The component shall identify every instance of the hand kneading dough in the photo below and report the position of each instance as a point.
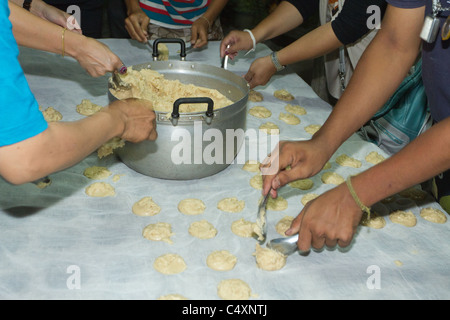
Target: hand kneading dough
(283, 94)
(346, 161)
(100, 189)
(170, 263)
(270, 128)
(303, 184)
(202, 230)
(221, 260)
(160, 231)
(433, 215)
(191, 206)
(289, 118)
(284, 224)
(97, 173)
(277, 204)
(251, 166)
(231, 205)
(255, 96)
(87, 108)
(268, 259)
(295, 109)
(173, 296)
(233, 289)
(374, 157)
(242, 228)
(332, 178)
(145, 207)
(260, 112)
(406, 218)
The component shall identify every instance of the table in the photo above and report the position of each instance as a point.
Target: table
(59, 243)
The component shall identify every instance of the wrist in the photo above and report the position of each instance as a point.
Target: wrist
(74, 44)
(276, 62)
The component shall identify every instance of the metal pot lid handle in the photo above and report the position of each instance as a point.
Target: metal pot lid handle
(155, 53)
(176, 108)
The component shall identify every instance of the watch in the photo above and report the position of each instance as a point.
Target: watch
(27, 4)
(276, 62)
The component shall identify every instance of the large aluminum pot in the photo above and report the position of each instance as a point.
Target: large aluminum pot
(192, 145)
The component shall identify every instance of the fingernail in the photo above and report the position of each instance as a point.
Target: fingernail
(226, 52)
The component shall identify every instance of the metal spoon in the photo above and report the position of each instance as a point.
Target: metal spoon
(286, 246)
(261, 220)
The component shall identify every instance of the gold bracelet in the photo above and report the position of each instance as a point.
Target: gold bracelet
(62, 40)
(356, 198)
(209, 23)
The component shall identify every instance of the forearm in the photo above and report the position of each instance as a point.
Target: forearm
(60, 146)
(309, 47)
(285, 18)
(214, 9)
(424, 158)
(132, 6)
(380, 70)
(34, 32)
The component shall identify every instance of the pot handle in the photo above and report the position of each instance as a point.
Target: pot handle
(176, 108)
(155, 53)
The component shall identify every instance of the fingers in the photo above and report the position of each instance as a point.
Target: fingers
(136, 25)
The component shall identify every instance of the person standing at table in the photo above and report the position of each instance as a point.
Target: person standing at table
(343, 25)
(194, 21)
(31, 148)
(333, 217)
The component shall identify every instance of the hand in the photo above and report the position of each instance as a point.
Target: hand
(329, 220)
(97, 58)
(199, 33)
(56, 16)
(260, 72)
(305, 158)
(136, 24)
(138, 118)
(237, 40)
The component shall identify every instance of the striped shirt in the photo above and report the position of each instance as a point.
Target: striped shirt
(174, 14)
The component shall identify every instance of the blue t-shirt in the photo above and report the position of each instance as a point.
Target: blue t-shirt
(20, 117)
(435, 62)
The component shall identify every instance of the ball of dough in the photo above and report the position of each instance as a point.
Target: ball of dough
(257, 182)
(332, 178)
(100, 189)
(346, 161)
(289, 118)
(145, 207)
(260, 112)
(308, 197)
(170, 263)
(375, 221)
(303, 184)
(284, 224)
(51, 115)
(374, 157)
(277, 204)
(233, 289)
(221, 260)
(231, 205)
(87, 108)
(406, 218)
(251, 166)
(202, 229)
(270, 128)
(160, 231)
(268, 259)
(242, 228)
(433, 215)
(191, 206)
(283, 94)
(295, 109)
(255, 96)
(173, 296)
(312, 128)
(97, 173)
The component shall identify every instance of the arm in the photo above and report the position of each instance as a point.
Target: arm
(201, 26)
(64, 144)
(137, 21)
(36, 33)
(284, 18)
(52, 14)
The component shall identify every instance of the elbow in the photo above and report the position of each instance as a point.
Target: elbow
(18, 173)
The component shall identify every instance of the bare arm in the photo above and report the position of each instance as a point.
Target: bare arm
(200, 26)
(65, 144)
(137, 21)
